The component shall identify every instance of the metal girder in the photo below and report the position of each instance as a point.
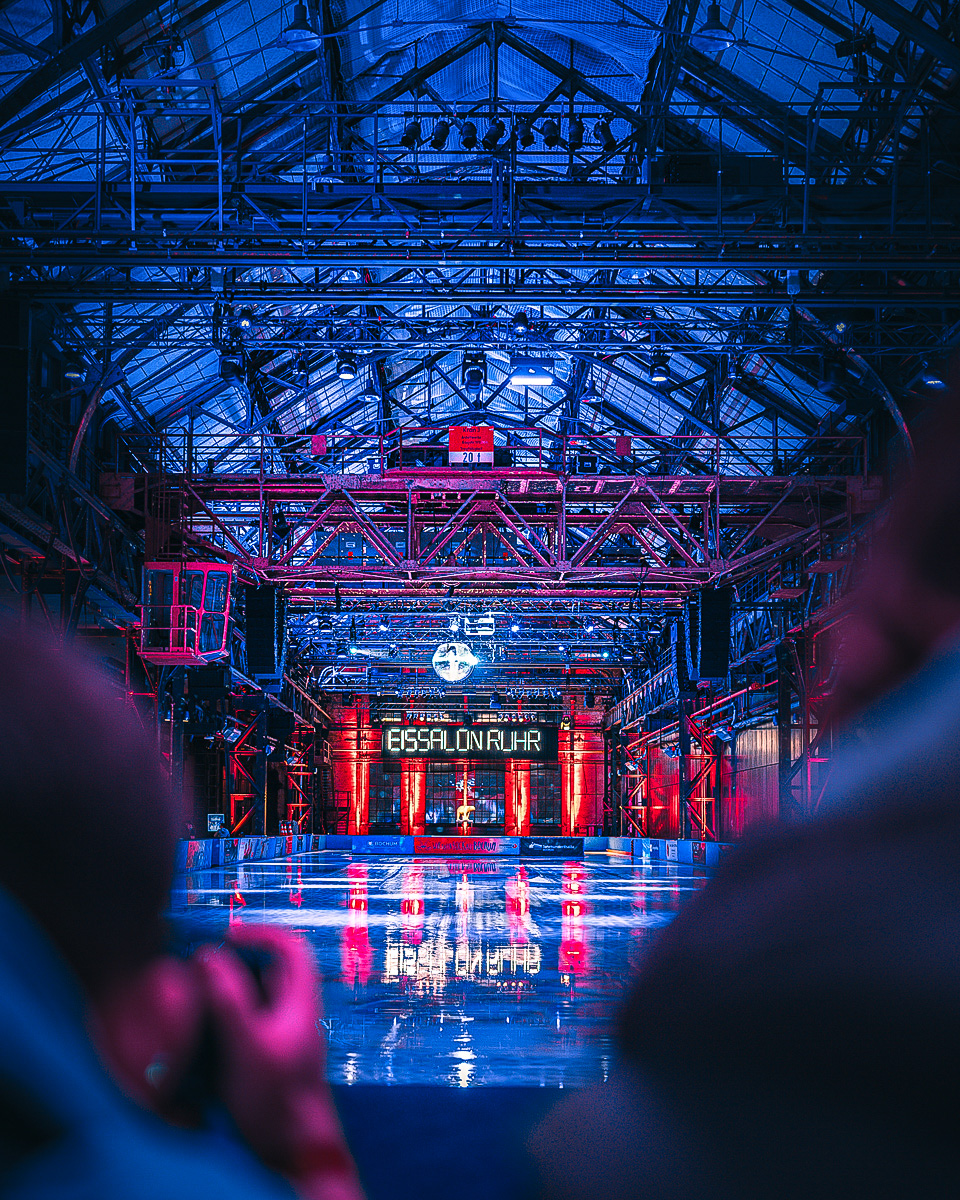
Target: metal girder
(71, 56)
(409, 531)
(918, 31)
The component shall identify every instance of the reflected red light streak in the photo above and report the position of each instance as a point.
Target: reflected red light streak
(356, 953)
(574, 949)
(518, 906)
(412, 907)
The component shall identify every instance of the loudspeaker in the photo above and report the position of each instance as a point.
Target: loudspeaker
(714, 633)
(13, 397)
(264, 608)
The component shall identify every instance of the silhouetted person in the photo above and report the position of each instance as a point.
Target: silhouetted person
(100, 1028)
(796, 1031)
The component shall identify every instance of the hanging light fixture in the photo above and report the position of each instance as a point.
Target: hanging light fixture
(521, 324)
(346, 366)
(712, 35)
(575, 135)
(531, 372)
(412, 134)
(245, 319)
(525, 133)
(604, 135)
(300, 34)
(493, 135)
(659, 366)
(441, 131)
(551, 133)
(474, 373)
(468, 135)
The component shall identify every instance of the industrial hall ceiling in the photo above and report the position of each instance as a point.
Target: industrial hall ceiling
(694, 265)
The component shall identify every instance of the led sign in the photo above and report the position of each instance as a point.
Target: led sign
(536, 742)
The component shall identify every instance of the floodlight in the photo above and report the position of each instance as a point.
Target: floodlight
(412, 134)
(525, 133)
(346, 366)
(604, 135)
(659, 367)
(468, 135)
(831, 376)
(521, 324)
(724, 733)
(931, 379)
(515, 627)
(73, 371)
(531, 372)
(712, 35)
(441, 131)
(493, 135)
(575, 135)
(474, 373)
(551, 133)
(231, 371)
(300, 34)
(245, 318)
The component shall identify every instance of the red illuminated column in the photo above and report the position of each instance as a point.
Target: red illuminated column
(351, 775)
(581, 779)
(413, 796)
(517, 799)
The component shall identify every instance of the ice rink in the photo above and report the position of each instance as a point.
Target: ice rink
(461, 972)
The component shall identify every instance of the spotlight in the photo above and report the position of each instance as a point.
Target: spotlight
(575, 135)
(382, 625)
(468, 136)
(73, 371)
(346, 366)
(931, 379)
(531, 372)
(605, 654)
(712, 35)
(521, 324)
(603, 134)
(412, 134)
(474, 373)
(515, 627)
(231, 371)
(831, 376)
(589, 628)
(494, 134)
(441, 131)
(525, 133)
(551, 133)
(659, 367)
(245, 319)
(300, 34)
(495, 700)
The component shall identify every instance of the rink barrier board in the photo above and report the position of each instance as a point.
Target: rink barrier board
(204, 853)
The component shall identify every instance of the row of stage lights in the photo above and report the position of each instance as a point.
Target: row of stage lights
(525, 131)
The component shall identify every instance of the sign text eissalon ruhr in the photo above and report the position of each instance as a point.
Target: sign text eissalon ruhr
(536, 742)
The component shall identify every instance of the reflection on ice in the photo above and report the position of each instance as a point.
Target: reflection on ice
(461, 972)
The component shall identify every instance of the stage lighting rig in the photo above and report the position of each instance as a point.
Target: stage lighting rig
(441, 131)
(474, 373)
(531, 372)
(346, 366)
(493, 135)
(412, 134)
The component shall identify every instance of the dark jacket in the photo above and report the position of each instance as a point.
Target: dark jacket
(796, 1031)
(66, 1131)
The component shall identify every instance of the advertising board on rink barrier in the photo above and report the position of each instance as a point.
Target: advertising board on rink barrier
(552, 847)
(461, 847)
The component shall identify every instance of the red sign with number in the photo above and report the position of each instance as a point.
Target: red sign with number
(471, 444)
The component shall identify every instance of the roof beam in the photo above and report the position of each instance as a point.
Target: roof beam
(916, 30)
(49, 74)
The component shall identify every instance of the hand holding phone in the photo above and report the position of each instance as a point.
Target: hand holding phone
(270, 1058)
